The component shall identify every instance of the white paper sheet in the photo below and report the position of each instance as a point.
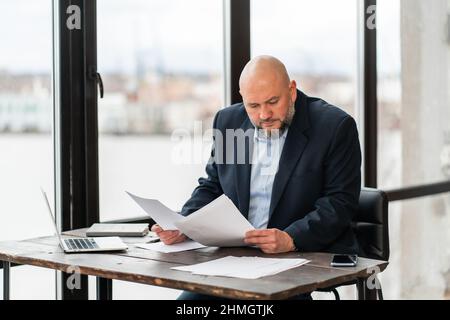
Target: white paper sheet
(218, 224)
(161, 247)
(158, 212)
(243, 267)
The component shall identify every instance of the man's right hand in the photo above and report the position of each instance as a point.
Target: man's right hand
(168, 236)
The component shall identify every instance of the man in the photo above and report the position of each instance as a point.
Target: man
(308, 202)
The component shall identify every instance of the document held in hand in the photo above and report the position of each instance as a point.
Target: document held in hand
(218, 224)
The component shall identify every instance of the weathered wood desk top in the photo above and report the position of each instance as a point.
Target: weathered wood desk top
(153, 268)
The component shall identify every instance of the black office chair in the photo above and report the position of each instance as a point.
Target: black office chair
(371, 224)
(372, 230)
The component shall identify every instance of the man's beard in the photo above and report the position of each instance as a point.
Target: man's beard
(285, 123)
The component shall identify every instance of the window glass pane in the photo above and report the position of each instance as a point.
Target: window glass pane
(414, 142)
(26, 161)
(317, 42)
(414, 92)
(161, 63)
(419, 265)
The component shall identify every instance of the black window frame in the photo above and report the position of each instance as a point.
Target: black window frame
(75, 126)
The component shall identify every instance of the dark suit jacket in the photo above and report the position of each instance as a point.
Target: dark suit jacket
(316, 190)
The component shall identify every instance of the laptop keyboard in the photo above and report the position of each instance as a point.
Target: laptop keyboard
(80, 244)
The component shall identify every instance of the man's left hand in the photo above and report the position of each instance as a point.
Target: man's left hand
(270, 240)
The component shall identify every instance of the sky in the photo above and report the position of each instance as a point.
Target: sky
(317, 36)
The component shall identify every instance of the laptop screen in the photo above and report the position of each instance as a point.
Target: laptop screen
(52, 218)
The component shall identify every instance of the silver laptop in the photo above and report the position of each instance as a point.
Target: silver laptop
(75, 245)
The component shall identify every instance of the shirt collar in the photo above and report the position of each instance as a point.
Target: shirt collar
(261, 137)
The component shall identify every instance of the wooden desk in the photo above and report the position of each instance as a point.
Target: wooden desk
(153, 268)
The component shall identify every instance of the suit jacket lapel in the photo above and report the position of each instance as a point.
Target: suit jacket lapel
(294, 146)
(243, 171)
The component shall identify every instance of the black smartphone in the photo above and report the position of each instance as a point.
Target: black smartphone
(344, 260)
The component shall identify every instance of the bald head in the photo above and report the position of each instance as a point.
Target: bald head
(264, 69)
(269, 95)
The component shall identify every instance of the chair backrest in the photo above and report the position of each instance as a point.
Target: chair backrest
(371, 224)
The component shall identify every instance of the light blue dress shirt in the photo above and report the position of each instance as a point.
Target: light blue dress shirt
(265, 162)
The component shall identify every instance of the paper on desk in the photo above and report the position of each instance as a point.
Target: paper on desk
(178, 247)
(243, 267)
(218, 224)
(158, 212)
